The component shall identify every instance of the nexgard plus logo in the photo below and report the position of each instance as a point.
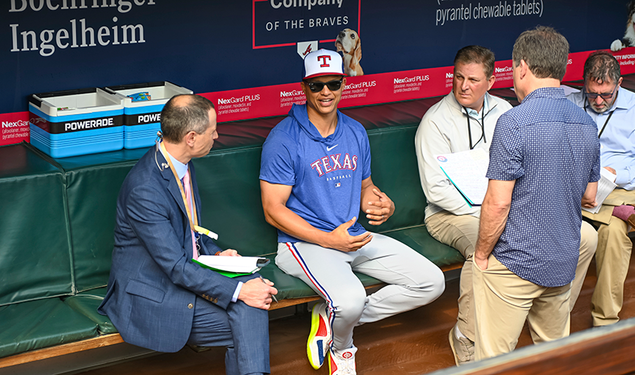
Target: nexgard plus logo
(14, 124)
(12, 129)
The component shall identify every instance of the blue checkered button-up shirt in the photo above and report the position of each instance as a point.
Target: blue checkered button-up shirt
(550, 147)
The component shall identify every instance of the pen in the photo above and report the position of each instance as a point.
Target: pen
(272, 296)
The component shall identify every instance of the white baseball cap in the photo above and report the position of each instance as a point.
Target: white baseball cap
(323, 62)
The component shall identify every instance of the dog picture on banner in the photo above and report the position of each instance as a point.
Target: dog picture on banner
(629, 36)
(350, 45)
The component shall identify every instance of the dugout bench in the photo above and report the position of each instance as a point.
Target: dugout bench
(58, 215)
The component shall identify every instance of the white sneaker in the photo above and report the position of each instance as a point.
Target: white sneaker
(342, 362)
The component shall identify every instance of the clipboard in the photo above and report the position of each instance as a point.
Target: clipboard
(466, 171)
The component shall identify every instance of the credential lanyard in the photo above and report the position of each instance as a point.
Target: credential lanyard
(182, 190)
(469, 130)
(194, 227)
(605, 122)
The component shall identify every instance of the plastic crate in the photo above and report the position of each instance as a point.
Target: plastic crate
(142, 119)
(76, 122)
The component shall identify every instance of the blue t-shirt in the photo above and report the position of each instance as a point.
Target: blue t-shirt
(550, 147)
(326, 173)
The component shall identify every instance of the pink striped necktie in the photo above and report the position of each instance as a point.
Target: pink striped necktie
(188, 195)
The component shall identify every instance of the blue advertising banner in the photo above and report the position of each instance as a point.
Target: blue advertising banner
(210, 46)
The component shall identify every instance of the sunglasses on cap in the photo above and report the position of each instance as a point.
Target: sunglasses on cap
(319, 86)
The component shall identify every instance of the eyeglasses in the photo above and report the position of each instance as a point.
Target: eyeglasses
(319, 86)
(605, 96)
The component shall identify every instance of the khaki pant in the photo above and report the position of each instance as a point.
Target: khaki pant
(504, 301)
(612, 261)
(461, 232)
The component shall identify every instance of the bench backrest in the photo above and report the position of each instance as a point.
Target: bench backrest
(92, 200)
(230, 195)
(35, 257)
(395, 172)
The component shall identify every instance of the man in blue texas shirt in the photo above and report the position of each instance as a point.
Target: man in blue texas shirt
(315, 176)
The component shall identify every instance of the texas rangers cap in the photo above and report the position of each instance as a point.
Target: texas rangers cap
(323, 62)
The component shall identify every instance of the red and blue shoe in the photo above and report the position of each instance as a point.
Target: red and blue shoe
(320, 337)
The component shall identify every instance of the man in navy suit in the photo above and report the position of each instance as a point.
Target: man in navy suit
(157, 297)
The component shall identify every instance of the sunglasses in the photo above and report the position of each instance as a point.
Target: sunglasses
(605, 96)
(319, 86)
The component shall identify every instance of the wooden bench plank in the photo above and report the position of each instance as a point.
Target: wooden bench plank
(59, 350)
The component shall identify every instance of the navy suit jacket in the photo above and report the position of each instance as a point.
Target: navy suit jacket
(153, 282)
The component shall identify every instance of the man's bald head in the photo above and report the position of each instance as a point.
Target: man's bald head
(185, 113)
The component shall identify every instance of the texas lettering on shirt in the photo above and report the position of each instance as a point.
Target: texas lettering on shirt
(334, 162)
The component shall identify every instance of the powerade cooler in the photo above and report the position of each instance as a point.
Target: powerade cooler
(143, 103)
(76, 122)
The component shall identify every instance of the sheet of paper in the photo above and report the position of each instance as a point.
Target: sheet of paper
(466, 170)
(605, 186)
(233, 264)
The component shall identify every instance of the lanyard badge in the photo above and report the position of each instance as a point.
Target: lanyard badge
(192, 216)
